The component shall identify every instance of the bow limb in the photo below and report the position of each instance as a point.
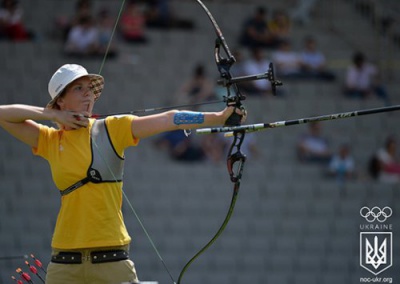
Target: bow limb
(215, 237)
(235, 164)
(224, 63)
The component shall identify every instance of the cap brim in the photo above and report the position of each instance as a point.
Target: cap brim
(98, 86)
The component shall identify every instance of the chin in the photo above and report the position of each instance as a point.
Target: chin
(88, 109)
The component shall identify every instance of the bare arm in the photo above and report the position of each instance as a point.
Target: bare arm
(146, 126)
(19, 121)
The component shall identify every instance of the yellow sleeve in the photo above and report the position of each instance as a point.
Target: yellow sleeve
(120, 131)
(45, 141)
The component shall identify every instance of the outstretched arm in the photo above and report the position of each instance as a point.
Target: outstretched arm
(146, 126)
(19, 121)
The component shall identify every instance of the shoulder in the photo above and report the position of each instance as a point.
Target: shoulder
(120, 123)
(119, 120)
(48, 130)
(119, 129)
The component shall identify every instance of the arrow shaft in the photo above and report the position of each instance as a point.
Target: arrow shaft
(264, 126)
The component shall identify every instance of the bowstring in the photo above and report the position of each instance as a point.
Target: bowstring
(134, 211)
(112, 36)
(106, 163)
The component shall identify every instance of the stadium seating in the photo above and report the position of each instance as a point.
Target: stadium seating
(291, 224)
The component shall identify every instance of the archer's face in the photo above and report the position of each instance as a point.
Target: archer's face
(78, 96)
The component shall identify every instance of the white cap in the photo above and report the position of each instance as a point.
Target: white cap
(68, 73)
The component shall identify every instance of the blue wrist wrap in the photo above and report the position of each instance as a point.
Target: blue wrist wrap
(188, 117)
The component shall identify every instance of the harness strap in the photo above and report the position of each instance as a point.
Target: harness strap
(98, 171)
(75, 186)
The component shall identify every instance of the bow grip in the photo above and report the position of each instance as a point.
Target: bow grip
(235, 119)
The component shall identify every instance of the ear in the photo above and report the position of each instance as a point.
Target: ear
(59, 104)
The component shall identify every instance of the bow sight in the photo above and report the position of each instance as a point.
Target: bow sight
(227, 81)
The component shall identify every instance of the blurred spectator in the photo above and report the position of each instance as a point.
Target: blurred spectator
(180, 147)
(159, 14)
(362, 80)
(238, 69)
(214, 147)
(342, 166)
(199, 88)
(255, 32)
(133, 24)
(386, 163)
(83, 39)
(288, 62)
(249, 146)
(105, 28)
(313, 146)
(256, 64)
(301, 14)
(11, 23)
(64, 23)
(280, 25)
(313, 61)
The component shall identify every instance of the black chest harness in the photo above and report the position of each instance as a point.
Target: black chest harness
(106, 164)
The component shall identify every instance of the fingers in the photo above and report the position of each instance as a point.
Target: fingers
(72, 120)
(80, 120)
(236, 115)
(239, 110)
(243, 112)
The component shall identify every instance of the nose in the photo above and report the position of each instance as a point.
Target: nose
(88, 91)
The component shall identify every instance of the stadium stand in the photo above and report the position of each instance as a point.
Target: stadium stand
(291, 224)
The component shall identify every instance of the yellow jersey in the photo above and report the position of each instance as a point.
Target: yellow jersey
(90, 216)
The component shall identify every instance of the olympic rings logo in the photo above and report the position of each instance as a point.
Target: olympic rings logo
(376, 214)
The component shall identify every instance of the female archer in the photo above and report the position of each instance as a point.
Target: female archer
(90, 243)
